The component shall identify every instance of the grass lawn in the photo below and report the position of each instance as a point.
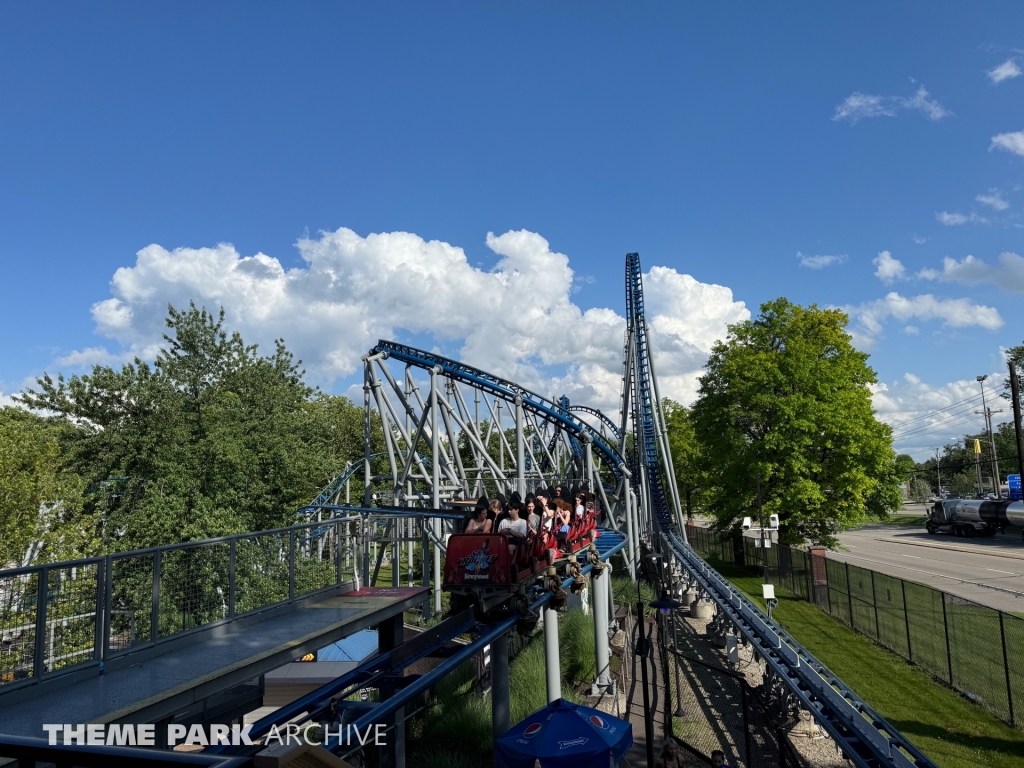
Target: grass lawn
(945, 726)
(902, 521)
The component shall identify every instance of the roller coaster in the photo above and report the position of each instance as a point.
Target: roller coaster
(448, 433)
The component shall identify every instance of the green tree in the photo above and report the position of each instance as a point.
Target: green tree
(212, 438)
(920, 489)
(40, 500)
(962, 485)
(686, 454)
(786, 397)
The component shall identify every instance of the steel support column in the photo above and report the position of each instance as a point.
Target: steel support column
(552, 665)
(520, 453)
(603, 682)
(435, 465)
(501, 718)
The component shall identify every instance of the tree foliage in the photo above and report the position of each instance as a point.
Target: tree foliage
(787, 398)
(687, 457)
(212, 438)
(40, 499)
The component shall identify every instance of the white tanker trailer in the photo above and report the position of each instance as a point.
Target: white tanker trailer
(974, 517)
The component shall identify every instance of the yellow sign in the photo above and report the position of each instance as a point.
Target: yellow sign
(977, 446)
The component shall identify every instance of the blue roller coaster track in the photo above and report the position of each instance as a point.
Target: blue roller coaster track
(553, 412)
(645, 448)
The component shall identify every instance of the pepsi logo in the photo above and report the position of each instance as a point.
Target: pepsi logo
(532, 730)
(598, 721)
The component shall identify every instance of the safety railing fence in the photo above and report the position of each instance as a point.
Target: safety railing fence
(59, 615)
(966, 645)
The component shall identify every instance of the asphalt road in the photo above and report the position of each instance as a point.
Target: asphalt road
(989, 571)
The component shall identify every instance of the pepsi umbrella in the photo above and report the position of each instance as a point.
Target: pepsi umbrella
(564, 735)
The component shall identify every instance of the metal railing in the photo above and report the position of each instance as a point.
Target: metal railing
(964, 644)
(59, 616)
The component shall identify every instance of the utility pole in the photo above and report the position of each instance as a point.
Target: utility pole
(1015, 393)
(991, 438)
(938, 473)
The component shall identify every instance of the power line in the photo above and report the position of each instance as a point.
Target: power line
(938, 411)
(902, 430)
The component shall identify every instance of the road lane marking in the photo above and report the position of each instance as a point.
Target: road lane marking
(998, 571)
(915, 557)
(969, 550)
(940, 575)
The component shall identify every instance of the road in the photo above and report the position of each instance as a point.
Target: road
(989, 571)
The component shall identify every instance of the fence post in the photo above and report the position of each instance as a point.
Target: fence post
(874, 602)
(906, 619)
(291, 565)
(746, 720)
(1006, 669)
(104, 599)
(945, 629)
(339, 552)
(809, 578)
(154, 616)
(39, 653)
(231, 577)
(849, 594)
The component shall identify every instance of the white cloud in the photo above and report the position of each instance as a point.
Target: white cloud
(956, 219)
(1005, 71)
(923, 416)
(859, 106)
(819, 262)
(1007, 274)
(516, 320)
(957, 313)
(920, 240)
(911, 330)
(993, 199)
(1011, 142)
(889, 269)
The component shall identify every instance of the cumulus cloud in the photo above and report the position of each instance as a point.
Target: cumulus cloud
(1005, 71)
(889, 269)
(516, 320)
(957, 313)
(859, 106)
(923, 416)
(1011, 142)
(819, 262)
(956, 219)
(993, 199)
(1008, 273)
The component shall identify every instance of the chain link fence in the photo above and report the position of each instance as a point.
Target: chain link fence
(964, 644)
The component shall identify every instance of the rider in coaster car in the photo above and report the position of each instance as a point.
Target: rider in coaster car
(563, 520)
(515, 528)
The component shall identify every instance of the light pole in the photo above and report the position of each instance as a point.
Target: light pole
(991, 438)
(938, 474)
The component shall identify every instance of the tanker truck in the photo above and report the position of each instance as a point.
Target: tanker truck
(974, 517)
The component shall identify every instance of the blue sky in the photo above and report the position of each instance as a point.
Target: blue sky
(705, 138)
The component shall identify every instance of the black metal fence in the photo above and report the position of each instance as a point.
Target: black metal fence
(718, 709)
(964, 644)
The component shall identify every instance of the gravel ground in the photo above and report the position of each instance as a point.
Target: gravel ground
(710, 700)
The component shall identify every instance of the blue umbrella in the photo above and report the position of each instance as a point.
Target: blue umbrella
(564, 735)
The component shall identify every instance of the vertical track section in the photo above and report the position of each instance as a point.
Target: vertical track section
(862, 734)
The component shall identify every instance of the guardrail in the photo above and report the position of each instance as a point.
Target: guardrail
(56, 617)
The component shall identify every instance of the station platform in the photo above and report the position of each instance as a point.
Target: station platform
(169, 679)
